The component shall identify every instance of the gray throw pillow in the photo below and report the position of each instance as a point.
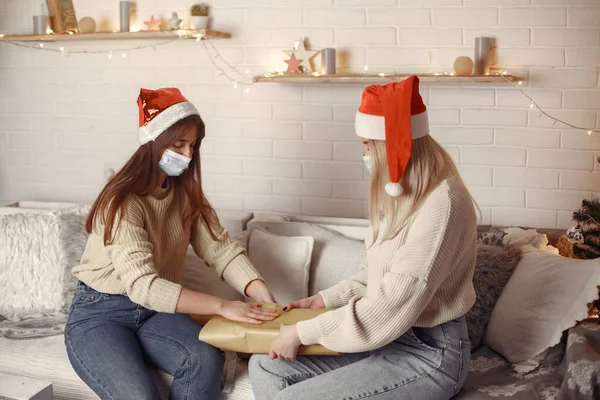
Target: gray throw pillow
(495, 265)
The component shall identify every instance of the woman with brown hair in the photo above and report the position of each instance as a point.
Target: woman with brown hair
(129, 310)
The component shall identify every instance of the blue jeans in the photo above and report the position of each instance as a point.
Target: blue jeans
(112, 342)
(423, 364)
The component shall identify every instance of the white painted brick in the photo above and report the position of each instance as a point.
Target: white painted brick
(524, 217)
(59, 176)
(365, 36)
(209, 184)
(361, 3)
(219, 166)
(533, 16)
(565, 219)
(350, 58)
(560, 159)
(281, 204)
(584, 16)
(526, 178)
(17, 157)
(302, 150)
(332, 171)
(577, 118)
(207, 147)
(74, 193)
(454, 152)
(23, 140)
(399, 16)
(417, 37)
(544, 98)
(15, 90)
(498, 197)
(476, 176)
(589, 181)
(299, 112)
(15, 122)
(564, 77)
(274, 93)
(34, 106)
(270, 16)
(244, 185)
(494, 117)
(351, 190)
(244, 147)
(579, 140)
(213, 92)
(223, 127)
(438, 116)
(348, 151)
(270, 129)
(226, 202)
(316, 37)
(332, 208)
(555, 199)
(243, 110)
(302, 187)
(255, 36)
(501, 156)
(497, 2)
(565, 37)
(541, 138)
(329, 132)
(504, 36)
(345, 113)
(182, 74)
(465, 16)
(534, 57)
(274, 168)
(582, 99)
(429, 2)
(240, 3)
(398, 57)
(565, 2)
(341, 17)
(332, 94)
(460, 135)
(583, 57)
(302, 2)
(233, 55)
(461, 97)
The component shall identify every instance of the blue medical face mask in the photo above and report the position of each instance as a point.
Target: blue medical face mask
(367, 161)
(173, 164)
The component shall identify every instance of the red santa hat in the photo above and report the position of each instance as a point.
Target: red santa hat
(159, 109)
(395, 113)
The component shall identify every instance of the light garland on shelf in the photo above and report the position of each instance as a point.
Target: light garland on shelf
(244, 79)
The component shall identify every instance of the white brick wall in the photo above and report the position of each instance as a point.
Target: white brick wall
(292, 148)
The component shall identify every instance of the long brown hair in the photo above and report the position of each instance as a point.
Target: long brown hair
(140, 176)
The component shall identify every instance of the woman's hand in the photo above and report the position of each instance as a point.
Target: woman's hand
(258, 291)
(315, 301)
(243, 312)
(286, 345)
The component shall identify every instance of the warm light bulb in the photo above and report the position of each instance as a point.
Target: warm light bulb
(247, 72)
(366, 68)
(589, 132)
(70, 32)
(62, 49)
(235, 85)
(1, 35)
(504, 72)
(42, 45)
(124, 55)
(520, 83)
(49, 31)
(247, 90)
(316, 74)
(181, 33)
(531, 105)
(381, 74)
(109, 56)
(134, 28)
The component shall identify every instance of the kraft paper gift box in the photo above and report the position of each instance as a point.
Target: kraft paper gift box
(256, 339)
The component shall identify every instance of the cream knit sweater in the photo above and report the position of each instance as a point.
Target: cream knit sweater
(146, 259)
(423, 278)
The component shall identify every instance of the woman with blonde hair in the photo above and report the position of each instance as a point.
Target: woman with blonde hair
(129, 311)
(399, 323)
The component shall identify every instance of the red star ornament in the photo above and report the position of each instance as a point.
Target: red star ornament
(293, 65)
(153, 24)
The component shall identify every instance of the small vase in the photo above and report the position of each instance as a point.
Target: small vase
(199, 22)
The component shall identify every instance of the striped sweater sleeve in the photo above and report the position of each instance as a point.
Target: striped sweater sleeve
(131, 254)
(225, 255)
(419, 267)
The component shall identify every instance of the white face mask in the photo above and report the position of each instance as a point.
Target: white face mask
(367, 161)
(173, 164)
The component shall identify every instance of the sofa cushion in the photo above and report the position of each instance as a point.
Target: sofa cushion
(284, 263)
(495, 265)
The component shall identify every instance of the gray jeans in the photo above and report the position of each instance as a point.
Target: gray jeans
(424, 364)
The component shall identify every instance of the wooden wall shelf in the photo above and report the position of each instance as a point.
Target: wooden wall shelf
(378, 78)
(184, 33)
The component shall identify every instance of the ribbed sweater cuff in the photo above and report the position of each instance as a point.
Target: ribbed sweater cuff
(165, 295)
(240, 272)
(308, 331)
(334, 297)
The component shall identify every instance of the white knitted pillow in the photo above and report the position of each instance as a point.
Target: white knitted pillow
(546, 295)
(39, 249)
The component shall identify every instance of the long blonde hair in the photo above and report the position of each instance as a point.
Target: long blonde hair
(428, 166)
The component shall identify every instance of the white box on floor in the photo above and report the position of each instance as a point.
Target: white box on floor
(21, 388)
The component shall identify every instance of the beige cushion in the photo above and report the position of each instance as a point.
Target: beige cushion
(284, 263)
(546, 295)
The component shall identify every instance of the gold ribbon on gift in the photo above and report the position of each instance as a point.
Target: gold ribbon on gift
(256, 339)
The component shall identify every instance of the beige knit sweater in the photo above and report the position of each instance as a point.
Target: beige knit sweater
(423, 278)
(146, 259)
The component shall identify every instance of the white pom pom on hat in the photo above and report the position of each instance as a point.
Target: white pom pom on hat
(396, 114)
